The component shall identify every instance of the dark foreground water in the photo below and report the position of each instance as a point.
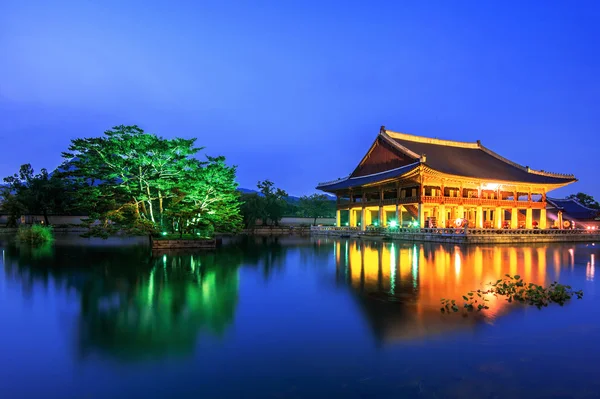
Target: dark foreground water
(291, 318)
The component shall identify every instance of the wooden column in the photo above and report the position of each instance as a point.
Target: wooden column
(514, 219)
(442, 216)
(338, 218)
(363, 217)
(479, 217)
(421, 216)
(498, 213)
(380, 216)
(543, 218)
(560, 220)
(352, 217)
(460, 212)
(529, 218)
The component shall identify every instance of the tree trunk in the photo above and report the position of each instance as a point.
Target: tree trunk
(46, 221)
(160, 207)
(144, 210)
(137, 208)
(315, 222)
(150, 203)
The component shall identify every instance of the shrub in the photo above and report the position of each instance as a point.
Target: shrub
(35, 235)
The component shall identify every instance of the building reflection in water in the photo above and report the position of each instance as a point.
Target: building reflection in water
(400, 285)
(589, 271)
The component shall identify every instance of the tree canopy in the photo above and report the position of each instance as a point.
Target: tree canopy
(316, 206)
(268, 205)
(138, 182)
(40, 193)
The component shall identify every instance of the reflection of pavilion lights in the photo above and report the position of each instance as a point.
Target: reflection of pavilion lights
(346, 263)
(415, 266)
(392, 269)
(572, 255)
(457, 263)
(590, 269)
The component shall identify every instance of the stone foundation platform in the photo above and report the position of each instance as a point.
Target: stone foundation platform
(462, 236)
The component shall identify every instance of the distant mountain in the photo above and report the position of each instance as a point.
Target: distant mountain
(247, 191)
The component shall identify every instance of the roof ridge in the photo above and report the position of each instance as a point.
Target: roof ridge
(550, 174)
(429, 140)
(402, 148)
(326, 183)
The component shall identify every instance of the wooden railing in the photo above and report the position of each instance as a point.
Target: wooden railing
(334, 228)
(487, 202)
(482, 202)
(454, 231)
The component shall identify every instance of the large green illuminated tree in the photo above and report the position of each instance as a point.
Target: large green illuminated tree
(142, 183)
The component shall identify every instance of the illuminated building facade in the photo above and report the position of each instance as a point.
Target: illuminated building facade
(406, 180)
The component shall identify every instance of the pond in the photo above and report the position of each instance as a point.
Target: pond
(291, 317)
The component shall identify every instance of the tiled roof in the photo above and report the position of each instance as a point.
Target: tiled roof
(573, 208)
(472, 160)
(349, 182)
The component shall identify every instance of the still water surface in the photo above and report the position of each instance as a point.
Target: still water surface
(291, 318)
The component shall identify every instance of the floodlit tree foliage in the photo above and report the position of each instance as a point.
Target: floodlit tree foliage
(142, 183)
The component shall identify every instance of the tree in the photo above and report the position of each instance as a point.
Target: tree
(41, 193)
(207, 199)
(585, 200)
(275, 203)
(138, 182)
(253, 209)
(317, 205)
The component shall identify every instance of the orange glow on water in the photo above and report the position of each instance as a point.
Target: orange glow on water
(430, 272)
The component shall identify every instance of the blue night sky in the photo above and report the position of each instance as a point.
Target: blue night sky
(296, 91)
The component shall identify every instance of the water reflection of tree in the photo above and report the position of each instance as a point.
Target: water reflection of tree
(267, 253)
(136, 304)
(270, 253)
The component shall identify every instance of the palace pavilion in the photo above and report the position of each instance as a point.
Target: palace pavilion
(407, 180)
